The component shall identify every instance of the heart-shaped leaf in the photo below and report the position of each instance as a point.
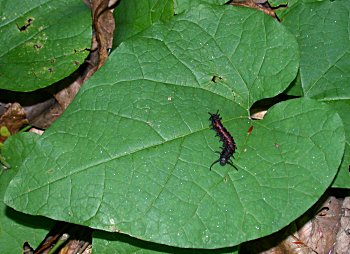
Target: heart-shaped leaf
(44, 41)
(322, 30)
(132, 153)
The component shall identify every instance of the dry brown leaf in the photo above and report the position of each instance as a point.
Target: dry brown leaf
(260, 5)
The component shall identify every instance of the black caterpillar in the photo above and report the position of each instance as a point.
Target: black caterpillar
(229, 145)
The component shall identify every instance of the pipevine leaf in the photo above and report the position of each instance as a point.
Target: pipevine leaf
(132, 152)
(42, 42)
(321, 28)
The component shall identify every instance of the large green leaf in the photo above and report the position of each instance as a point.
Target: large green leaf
(15, 227)
(322, 30)
(132, 152)
(42, 41)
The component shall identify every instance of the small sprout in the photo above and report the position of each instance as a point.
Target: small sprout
(4, 132)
